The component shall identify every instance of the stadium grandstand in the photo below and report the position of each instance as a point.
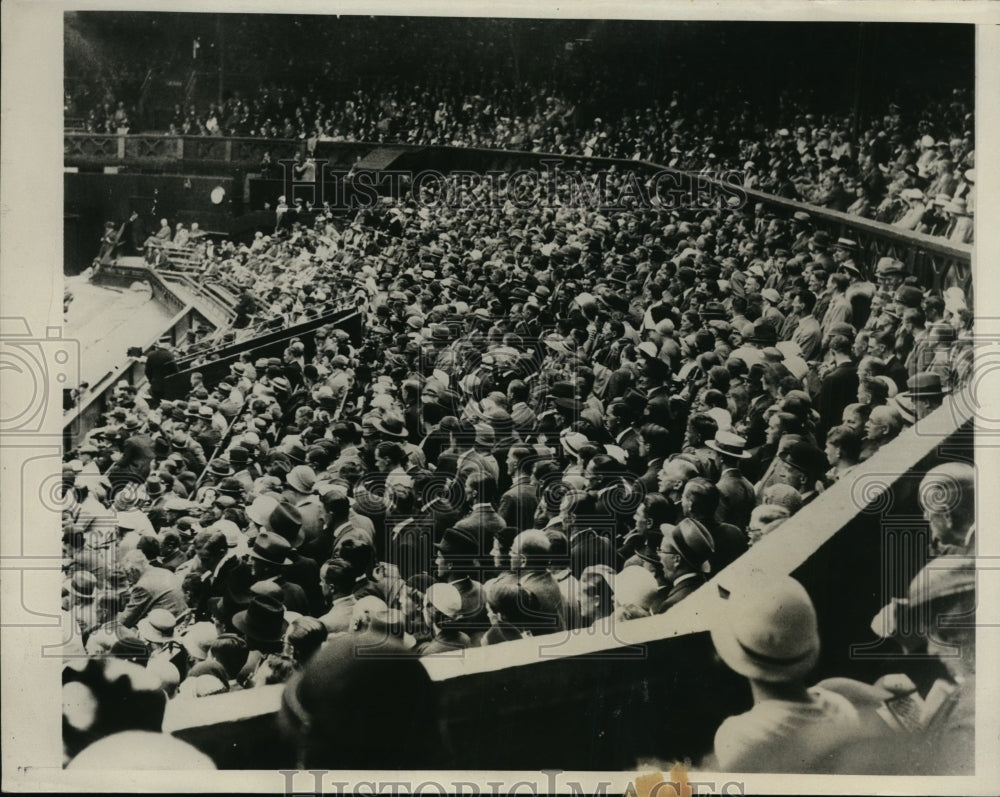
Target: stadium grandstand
(492, 394)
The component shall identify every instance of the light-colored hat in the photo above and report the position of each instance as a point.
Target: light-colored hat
(261, 508)
(198, 639)
(635, 586)
(891, 386)
(302, 479)
(142, 750)
(729, 444)
(444, 598)
(767, 629)
(647, 348)
(157, 626)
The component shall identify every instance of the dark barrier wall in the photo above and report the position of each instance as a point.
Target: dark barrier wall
(92, 199)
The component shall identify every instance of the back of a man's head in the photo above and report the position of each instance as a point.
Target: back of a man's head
(703, 497)
(337, 503)
(230, 650)
(530, 550)
(135, 560)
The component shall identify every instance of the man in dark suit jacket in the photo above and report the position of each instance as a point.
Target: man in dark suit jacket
(700, 501)
(270, 560)
(220, 568)
(682, 554)
(481, 492)
(152, 588)
(160, 366)
(459, 558)
(654, 446)
(619, 418)
(882, 345)
(736, 494)
(754, 425)
(838, 388)
(517, 505)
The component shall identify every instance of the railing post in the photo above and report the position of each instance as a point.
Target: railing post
(121, 148)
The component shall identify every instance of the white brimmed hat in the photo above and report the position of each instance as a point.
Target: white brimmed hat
(767, 630)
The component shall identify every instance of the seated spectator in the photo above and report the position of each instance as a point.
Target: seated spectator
(442, 606)
(767, 632)
(843, 451)
(883, 425)
(684, 554)
(764, 519)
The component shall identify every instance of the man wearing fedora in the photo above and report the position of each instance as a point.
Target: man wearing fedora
(218, 469)
(683, 551)
(300, 492)
(157, 629)
(736, 494)
(263, 626)
(459, 563)
(219, 567)
(186, 446)
(268, 560)
(82, 602)
(926, 392)
(801, 465)
(245, 468)
(285, 521)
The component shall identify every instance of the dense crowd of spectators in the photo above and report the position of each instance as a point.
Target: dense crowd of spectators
(910, 167)
(917, 174)
(553, 419)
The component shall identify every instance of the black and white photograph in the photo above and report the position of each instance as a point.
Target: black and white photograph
(439, 396)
